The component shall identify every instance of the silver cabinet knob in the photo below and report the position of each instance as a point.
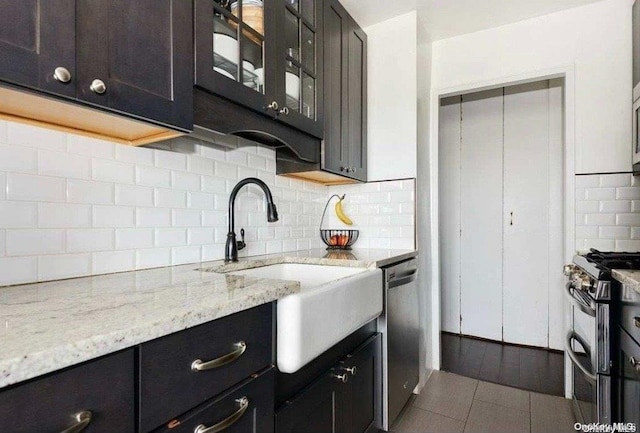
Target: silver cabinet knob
(62, 75)
(285, 111)
(273, 106)
(81, 421)
(98, 86)
(351, 370)
(344, 169)
(635, 363)
(341, 377)
(636, 322)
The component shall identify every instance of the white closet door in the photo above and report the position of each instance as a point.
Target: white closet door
(449, 199)
(526, 214)
(481, 214)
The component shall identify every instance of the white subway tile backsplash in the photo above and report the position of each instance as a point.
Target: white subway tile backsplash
(184, 255)
(134, 155)
(31, 242)
(587, 181)
(35, 188)
(113, 261)
(59, 215)
(583, 207)
(615, 180)
(132, 239)
(186, 218)
(614, 206)
(170, 160)
(600, 194)
(55, 267)
(113, 216)
(614, 232)
(170, 198)
(72, 205)
(88, 191)
(25, 135)
(200, 200)
(18, 270)
(90, 240)
(627, 245)
(185, 181)
(130, 195)
(18, 214)
(110, 171)
(81, 145)
(600, 219)
(18, 159)
(63, 164)
(150, 217)
(587, 232)
(153, 258)
(629, 219)
(153, 176)
(628, 193)
(170, 237)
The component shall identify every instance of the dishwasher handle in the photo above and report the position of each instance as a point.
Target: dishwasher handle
(404, 278)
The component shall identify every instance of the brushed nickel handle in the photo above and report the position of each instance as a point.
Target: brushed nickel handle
(273, 106)
(98, 86)
(511, 218)
(199, 365)
(82, 420)
(353, 169)
(228, 422)
(353, 370)
(344, 378)
(285, 111)
(636, 322)
(62, 75)
(344, 169)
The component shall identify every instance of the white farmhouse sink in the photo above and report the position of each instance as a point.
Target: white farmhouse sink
(334, 301)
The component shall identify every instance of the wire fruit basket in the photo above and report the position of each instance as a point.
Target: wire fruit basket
(337, 239)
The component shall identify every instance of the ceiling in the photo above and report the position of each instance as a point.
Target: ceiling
(443, 19)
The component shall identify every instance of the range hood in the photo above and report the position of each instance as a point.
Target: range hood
(214, 115)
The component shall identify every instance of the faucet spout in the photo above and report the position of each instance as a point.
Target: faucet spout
(231, 247)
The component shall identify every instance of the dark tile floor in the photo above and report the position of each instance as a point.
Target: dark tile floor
(527, 368)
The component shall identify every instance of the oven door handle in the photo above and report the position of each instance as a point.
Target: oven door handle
(586, 305)
(574, 357)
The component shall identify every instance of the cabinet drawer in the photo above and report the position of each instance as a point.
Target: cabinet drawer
(249, 407)
(631, 320)
(104, 387)
(168, 384)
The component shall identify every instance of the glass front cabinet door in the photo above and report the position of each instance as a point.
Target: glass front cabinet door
(264, 55)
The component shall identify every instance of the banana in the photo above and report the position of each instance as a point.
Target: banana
(340, 212)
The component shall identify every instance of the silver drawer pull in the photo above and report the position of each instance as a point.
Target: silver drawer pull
(82, 420)
(636, 322)
(351, 370)
(199, 365)
(226, 423)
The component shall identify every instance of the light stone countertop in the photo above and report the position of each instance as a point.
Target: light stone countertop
(629, 278)
(53, 325)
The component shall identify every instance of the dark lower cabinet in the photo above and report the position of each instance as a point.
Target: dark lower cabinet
(246, 408)
(345, 399)
(99, 394)
(628, 379)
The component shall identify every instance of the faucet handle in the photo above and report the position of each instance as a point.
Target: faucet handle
(241, 243)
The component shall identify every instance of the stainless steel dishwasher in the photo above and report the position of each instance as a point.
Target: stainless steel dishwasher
(400, 328)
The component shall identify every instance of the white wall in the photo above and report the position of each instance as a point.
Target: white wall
(594, 41)
(72, 206)
(392, 106)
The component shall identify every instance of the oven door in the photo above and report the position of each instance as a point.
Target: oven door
(591, 391)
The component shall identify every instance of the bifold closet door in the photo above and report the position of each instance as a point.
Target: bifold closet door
(481, 183)
(529, 146)
(449, 202)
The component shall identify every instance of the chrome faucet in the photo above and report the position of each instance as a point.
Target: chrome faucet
(231, 248)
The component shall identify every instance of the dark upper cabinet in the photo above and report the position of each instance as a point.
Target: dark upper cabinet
(135, 57)
(263, 55)
(345, 70)
(346, 399)
(36, 38)
(130, 57)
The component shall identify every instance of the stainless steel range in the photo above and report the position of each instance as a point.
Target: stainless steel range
(588, 344)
